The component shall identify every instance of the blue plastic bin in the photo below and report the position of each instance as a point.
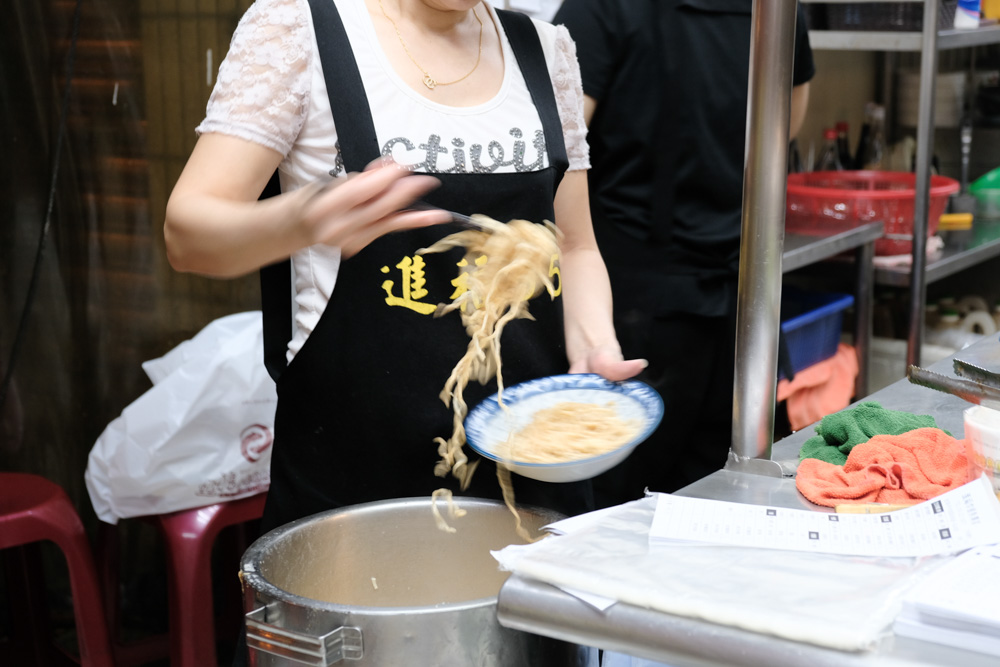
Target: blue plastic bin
(810, 326)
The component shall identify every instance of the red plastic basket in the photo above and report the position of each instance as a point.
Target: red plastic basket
(821, 201)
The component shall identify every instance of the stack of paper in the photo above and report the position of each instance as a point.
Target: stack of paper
(960, 519)
(957, 604)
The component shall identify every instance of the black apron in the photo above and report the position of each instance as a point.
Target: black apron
(358, 406)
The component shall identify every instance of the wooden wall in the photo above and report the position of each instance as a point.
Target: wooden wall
(103, 298)
(183, 43)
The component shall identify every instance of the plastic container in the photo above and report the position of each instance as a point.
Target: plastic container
(979, 323)
(947, 331)
(970, 303)
(820, 203)
(967, 14)
(986, 190)
(888, 360)
(810, 325)
(982, 442)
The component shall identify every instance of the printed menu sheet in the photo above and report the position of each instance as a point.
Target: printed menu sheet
(962, 518)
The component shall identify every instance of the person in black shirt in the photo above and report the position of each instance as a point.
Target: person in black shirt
(665, 85)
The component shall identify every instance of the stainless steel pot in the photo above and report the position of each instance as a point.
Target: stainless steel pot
(380, 584)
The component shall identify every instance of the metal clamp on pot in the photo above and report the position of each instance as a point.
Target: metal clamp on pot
(342, 643)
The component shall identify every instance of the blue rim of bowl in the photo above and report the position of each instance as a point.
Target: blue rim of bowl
(646, 395)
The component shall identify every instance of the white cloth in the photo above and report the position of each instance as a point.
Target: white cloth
(271, 91)
(841, 602)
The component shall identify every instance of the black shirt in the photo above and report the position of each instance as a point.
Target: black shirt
(667, 142)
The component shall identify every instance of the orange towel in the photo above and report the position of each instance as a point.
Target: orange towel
(894, 469)
(820, 389)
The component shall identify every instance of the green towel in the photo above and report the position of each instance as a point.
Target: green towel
(838, 433)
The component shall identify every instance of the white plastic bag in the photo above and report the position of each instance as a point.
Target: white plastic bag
(202, 434)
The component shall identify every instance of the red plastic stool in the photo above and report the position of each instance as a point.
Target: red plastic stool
(189, 536)
(33, 509)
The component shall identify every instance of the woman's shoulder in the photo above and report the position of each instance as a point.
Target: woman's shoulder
(262, 88)
(555, 40)
(286, 15)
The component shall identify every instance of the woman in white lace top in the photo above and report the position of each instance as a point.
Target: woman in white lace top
(449, 101)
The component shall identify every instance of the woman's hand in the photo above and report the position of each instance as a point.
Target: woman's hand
(607, 361)
(352, 213)
(216, 226)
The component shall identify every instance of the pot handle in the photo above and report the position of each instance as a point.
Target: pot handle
(343, 643)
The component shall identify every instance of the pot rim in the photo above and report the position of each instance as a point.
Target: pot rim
(265, 589)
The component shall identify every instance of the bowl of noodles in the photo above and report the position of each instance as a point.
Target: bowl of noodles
(564, 428)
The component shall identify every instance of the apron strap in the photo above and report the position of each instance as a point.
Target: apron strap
(352, 116)
(276, 302)
(357, 146)
(527, 49)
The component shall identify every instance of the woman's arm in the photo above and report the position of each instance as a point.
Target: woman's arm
(216, 226)
(800, 103)
(591, 343)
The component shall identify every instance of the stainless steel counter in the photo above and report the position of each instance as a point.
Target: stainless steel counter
(686, 642)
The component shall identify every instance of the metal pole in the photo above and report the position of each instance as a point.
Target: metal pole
(764, 183)
(864, 260)
(925, 148)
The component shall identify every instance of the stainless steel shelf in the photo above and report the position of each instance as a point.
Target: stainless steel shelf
(949, 263)
(928, 42)
(864, 40)
(802, 250)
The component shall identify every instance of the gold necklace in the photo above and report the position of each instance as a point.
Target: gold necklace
(428, 80)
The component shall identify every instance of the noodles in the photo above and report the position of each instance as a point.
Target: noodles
(506, 265)
(454, 510)
(569, 431)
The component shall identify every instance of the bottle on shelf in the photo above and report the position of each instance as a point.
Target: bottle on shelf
(873, 152)
(829, 157)
(844, 145)
(866, 126)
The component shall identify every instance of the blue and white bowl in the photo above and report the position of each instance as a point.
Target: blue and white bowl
(489, 425)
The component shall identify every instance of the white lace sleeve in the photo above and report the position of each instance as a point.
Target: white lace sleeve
(569, 98)
(262, 92)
